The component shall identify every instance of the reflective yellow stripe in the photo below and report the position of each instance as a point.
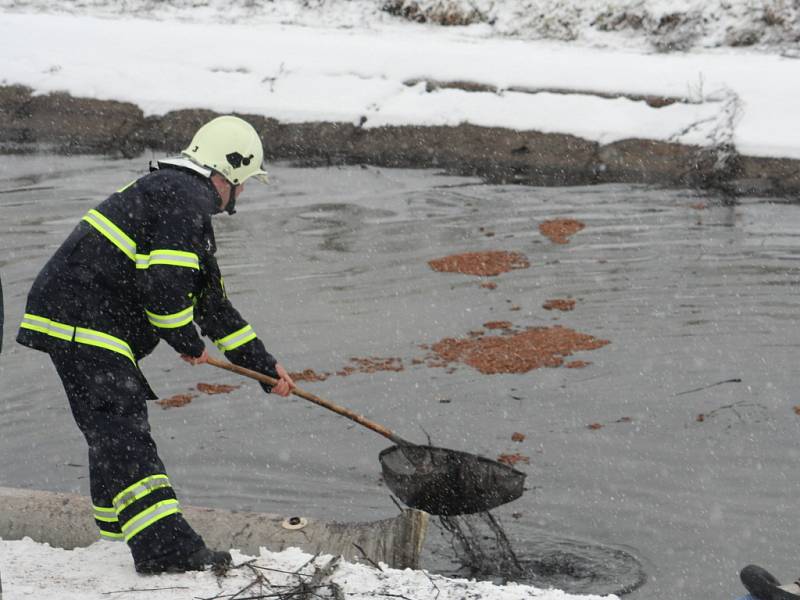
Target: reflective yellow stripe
(90, 337)
(112, 233)
(149, 516)
(176, 258)
(178, 319)
(125, 187)
(81, 335)
(108, 523)
(138, 490)
(107, 515)
(55, 329)
(121, 240)
(236, 339)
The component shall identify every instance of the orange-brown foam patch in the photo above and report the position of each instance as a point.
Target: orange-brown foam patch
(497, 325)
(514, 351)
(485, 264)
(216, 388)
(577, 364)
(175, 401)
(564, 304)
(558, 231)
(512, 459)
(371, 365)
(309, 375)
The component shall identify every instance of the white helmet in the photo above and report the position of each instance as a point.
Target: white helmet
(231, 147)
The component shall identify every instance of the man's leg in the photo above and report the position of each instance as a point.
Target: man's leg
(133, 498)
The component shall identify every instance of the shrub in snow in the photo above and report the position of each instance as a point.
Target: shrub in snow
(719, 161)
(674, 31)
(440, 12)
(662, 25)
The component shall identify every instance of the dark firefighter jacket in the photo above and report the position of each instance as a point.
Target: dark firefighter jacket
(138, 268)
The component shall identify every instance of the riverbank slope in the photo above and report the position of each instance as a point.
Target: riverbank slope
(510, 110)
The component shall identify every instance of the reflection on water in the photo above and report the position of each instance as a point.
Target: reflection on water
(331, 264)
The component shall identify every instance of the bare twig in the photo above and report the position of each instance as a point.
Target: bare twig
(705, 387)
(689, 128)
(433, 583)
(338, 593)
(145, 590)
(308, 586)
(319, 576)
(247, 563)
(258, 574)
(427, 435)
(262, 568)
(731, 407)
(367, 558)
(219, 595)
(396, 503)
(310, 561)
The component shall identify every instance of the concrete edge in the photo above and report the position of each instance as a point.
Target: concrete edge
(61, 123)
(65, 521)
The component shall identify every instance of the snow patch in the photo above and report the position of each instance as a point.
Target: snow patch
(105, 570)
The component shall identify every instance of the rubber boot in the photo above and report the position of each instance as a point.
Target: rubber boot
(177, 563)
(763, 585)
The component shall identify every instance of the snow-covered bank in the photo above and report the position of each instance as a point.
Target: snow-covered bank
(661, 25)
(382, 77)
(105, 570)
(403, 95)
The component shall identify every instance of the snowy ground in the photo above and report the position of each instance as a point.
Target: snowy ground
(105, 570)
(401, 74)
(661, 25)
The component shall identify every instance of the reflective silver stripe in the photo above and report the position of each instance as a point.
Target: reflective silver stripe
(176, 258)
(113, 233)
(112, 536)
(139, 490)
(80, 335)
(178, 319)
(103, 340)
(48, 327)
(236, 339)
(149, 516)
(125, 243)
(107, 515)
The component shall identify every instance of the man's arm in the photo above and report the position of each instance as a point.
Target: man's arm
(169, 274)
(221, 322)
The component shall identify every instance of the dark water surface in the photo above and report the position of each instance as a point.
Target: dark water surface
(330, 264)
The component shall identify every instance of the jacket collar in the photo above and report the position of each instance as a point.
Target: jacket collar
(184, 164)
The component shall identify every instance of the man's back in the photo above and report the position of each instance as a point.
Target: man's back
(106, 270)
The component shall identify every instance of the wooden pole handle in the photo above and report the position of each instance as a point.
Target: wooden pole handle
(345, 412)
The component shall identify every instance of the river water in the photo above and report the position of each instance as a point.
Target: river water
(626, 473)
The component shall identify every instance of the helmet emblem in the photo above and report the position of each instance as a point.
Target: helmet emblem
(236, 160)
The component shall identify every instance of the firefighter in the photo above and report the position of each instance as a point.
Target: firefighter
(139, 268)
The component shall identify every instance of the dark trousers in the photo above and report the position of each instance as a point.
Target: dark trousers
(107, 394)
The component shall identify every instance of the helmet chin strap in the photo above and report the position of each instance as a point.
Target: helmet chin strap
(231, 207)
